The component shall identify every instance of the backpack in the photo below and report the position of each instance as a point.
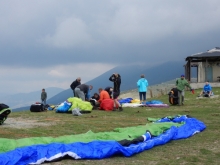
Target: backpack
(107, 105)
(4, 112)
(37, 107)
(173, 96)
(3, 106)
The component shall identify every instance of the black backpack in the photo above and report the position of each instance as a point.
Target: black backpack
(173, 96)
(4, 112)
(37, 107)
(3, 106)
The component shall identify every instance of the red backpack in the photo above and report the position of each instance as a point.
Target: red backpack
(107, 105)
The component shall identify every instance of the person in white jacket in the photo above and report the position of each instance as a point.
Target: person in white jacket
(142, 85)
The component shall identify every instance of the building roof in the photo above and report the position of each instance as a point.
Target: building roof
(210, 54)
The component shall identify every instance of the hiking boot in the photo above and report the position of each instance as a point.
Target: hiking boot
(114, 109)
(120, 109)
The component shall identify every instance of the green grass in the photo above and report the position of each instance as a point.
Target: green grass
(203, 148)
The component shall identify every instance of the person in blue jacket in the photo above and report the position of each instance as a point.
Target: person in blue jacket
(207, 90)
(142, 85)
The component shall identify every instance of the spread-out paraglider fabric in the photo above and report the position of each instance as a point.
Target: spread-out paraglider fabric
(99, 145)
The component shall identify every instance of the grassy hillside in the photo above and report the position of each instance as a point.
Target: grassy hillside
(201, 149)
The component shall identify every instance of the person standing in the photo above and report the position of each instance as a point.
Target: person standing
(43, 97)
(181, 83)
(142, 85)
(116, 79)
(75, 84)
(83, 91)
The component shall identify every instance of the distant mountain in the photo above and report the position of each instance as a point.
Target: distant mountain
(130, 75)
(26, 99)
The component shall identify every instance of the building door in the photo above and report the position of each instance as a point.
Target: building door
(209, 74)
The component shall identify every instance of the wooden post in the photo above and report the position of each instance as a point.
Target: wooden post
(206, 65)
(151, 94)
(189, 70)
(161, 92)
(186, 72)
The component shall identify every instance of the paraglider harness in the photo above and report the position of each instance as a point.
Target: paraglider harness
(173, 96)
(206, 93)
(4, 112)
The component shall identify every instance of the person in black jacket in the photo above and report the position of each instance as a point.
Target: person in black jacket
(116, 79)
(95, 96)
(109, 90)
(75, 84)
(94, 100)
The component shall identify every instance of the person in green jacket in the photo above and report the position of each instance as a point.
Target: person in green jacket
(181, 83)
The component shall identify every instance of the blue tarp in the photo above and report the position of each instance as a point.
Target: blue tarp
(126, 100)
(63, 108)
(154, 102)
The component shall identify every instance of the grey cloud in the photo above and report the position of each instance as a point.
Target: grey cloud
(46, 33)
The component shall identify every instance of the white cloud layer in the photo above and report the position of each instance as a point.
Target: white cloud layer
(22, 80)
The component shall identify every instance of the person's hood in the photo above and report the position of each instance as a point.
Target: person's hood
(142, 79)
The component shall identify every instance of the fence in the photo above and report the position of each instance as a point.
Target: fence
(153, 91)
(163, 89)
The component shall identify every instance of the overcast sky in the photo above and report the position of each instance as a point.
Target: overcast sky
(49, 43)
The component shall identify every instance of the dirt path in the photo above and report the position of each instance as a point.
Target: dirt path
(23, 123)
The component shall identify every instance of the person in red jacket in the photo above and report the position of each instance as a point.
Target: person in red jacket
(103, 95)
